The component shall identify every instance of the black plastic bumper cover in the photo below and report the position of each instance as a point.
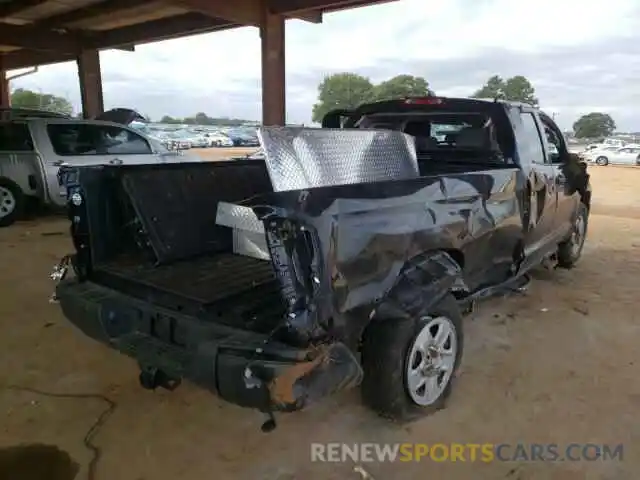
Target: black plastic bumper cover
(241, 367)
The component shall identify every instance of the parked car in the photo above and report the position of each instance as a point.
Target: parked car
(347, 260)
(614, 155)
(175, 141)
(243, 138)
(32, 149)
(217, 139)
(196, 139)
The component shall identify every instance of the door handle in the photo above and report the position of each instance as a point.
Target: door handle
(59, 163)
(115, 161)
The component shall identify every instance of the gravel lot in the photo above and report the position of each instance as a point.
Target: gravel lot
(558, 364)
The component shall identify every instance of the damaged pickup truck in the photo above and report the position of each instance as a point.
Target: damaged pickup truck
(347, 256)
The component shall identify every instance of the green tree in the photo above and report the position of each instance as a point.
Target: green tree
(515, 89)
(23, 98)
(201, 118)
(519, 89)
(342, 90)
(402, 86)
(494, 88)
(168, 119)
(594, 124)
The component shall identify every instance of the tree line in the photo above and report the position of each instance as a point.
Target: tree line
(348, 91)
(24, 98)
(202, 118)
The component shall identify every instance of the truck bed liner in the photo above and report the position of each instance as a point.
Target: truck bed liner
(205, 280)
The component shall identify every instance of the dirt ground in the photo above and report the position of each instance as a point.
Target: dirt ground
(221, 153)
(558, 364)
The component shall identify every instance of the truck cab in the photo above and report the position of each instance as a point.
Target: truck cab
(448, 131)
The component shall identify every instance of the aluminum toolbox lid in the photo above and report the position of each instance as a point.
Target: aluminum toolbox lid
(299, 158)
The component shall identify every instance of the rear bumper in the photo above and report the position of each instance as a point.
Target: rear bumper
(241, 367)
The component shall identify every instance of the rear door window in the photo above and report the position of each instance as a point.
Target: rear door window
(15, 137)
(529, 139)
(72, 139)
(122, 141)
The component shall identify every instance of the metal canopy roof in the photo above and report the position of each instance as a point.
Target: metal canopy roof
(38, 32)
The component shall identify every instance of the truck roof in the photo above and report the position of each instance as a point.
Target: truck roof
(435, 100)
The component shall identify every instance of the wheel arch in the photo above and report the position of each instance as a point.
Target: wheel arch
(423, 281)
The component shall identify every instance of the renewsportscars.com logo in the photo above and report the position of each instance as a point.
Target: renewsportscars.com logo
(465, 452)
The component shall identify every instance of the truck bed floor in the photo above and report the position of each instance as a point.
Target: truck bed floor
(205, 280)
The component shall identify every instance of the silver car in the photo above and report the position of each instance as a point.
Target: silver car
(614, 156)
(33, 147)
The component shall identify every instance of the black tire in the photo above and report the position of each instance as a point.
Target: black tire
(602, 161)
(11, 202)
(385, 355)
(638, 161)
(570, 250)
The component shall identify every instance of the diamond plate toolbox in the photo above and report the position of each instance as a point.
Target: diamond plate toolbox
(299, 158)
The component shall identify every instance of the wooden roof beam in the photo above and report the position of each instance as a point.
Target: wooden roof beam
(311, 16)
(36, 38)
(29, 58)
(242, 12)
(155, 30)
(12, 7)
(105, 7)
(289, 7)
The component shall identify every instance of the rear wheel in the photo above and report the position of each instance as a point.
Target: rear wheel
(11, 202)
(409, 365)
(638, 160)
(570, 251)
(602, 161)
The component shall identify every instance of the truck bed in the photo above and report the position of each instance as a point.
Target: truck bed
(224, 287)
(205, 280)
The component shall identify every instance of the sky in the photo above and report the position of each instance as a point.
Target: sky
(579, 56)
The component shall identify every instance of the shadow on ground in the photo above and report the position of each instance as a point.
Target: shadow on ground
(36, 462)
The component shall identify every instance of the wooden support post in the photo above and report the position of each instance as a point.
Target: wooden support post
(5, 92)
(273, 69)
(90, 83)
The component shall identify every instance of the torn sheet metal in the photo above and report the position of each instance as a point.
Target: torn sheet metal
(370, 233)
(334, 368)
(299, 158)
(248, 231)
(239, 217)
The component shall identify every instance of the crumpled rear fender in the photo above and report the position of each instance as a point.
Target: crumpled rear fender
(425, 280)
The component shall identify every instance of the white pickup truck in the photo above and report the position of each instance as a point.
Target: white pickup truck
(33, 146)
